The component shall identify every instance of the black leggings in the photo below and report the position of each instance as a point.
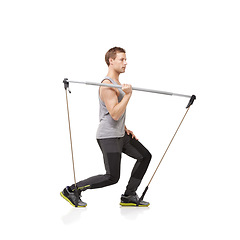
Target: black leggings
(112, 149)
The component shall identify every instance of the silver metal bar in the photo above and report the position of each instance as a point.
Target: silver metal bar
(134, 88)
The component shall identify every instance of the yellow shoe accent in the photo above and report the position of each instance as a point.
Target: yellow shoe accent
(69, 200)
(132, 205)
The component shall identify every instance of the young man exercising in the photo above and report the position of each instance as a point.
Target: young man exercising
(114, 138)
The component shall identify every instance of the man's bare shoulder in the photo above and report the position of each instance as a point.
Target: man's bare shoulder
(107, 81)
(108, 91)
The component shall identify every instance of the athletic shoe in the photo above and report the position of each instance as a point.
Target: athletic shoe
(70, 196)
(133, 200)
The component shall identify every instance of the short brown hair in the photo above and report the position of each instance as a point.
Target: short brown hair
(112, 52)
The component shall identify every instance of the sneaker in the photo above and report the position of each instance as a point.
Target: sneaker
(133, 200)
(70, 196)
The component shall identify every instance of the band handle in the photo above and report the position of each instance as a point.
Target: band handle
(144, 192)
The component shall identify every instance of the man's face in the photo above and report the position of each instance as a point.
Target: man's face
(119, 63)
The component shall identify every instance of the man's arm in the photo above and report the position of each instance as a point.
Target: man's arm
(110, 98)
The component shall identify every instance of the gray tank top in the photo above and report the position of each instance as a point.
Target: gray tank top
(108, 127)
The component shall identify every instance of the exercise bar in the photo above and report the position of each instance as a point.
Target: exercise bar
(192, 98)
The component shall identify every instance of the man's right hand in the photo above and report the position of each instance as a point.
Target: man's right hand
(127, 88)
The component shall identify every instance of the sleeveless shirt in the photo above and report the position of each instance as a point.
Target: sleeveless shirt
(108, 127)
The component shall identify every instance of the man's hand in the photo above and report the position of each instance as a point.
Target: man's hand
(130, 132)
(127, 88)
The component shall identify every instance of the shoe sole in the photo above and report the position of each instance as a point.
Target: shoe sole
(70, 201)
(133, 205)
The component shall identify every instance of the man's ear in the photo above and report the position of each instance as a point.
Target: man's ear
(111, 61)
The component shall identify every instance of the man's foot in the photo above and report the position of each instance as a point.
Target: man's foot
(70, 196)
(133, 200)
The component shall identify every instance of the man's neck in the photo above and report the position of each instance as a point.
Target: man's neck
(114, 75)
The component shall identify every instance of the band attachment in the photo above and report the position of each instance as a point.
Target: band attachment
(66, 84)
(193, 97)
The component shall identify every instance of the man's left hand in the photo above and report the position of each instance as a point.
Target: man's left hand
(130, 132)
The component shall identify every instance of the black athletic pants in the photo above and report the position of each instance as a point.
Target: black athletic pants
(112, 149)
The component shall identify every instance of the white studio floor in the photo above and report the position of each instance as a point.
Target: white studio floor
(187, 47)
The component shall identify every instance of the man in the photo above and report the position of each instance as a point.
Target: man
(114, 138)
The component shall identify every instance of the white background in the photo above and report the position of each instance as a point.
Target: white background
(189, 47)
